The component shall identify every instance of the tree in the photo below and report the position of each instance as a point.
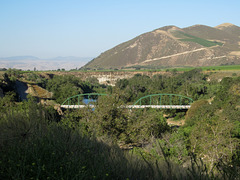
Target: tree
(145, 124)
(212, 141)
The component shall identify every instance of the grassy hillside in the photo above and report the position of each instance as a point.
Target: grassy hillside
(187, 37)
(210, 33)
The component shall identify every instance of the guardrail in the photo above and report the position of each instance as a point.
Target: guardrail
(131, 106)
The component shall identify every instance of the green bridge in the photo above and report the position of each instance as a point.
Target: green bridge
(159, 101)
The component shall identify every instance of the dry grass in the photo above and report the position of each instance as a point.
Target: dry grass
(171, 122)
(218, 76)
(236, 53)
(37, 91)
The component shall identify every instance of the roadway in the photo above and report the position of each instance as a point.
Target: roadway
(132, 106)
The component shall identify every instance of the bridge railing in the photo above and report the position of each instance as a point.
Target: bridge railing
(78, 99)
(164, 99)
(160, 101)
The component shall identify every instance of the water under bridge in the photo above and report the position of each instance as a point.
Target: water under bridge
(157, 101)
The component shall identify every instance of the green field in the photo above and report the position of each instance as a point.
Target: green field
(213, 68)
(191, 38)
(205, 68)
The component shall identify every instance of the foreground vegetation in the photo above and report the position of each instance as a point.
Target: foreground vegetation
(114, 143)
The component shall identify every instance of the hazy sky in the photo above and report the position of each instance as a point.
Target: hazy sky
(86, 28)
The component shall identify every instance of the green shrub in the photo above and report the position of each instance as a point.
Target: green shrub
(195, 107)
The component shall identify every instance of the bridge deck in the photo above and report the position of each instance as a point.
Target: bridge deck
(132, 106)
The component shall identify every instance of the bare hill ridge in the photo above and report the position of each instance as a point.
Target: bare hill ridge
(229, 28)
(171, 46)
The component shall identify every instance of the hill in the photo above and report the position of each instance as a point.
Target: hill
(229, 28)
(171, 46)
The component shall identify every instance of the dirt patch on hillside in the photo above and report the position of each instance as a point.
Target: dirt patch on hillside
(236, 53)
(171, 122)
(39, 92)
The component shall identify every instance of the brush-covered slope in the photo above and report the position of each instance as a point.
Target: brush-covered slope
(171, 46)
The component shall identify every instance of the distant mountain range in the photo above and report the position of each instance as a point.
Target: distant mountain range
(17, 58)
(171, 46)
(32, 62)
